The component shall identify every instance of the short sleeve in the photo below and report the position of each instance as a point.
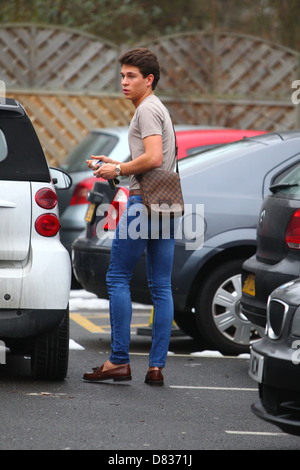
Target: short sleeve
(150, 120)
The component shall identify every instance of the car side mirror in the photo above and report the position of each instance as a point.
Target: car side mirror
(60, 178)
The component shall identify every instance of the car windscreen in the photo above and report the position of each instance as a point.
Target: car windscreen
(21, 155)
(96, 143)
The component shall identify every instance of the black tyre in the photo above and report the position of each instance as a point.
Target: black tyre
(187, 323)
(218, 315)
(50, 355)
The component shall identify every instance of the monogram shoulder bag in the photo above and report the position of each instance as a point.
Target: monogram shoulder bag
(161, 190)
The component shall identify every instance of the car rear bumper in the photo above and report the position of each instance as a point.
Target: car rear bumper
(90, 263)
(41, 283)
(279, 389)
(25, 323)
(267, 278)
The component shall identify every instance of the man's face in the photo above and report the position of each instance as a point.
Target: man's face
(135, 86)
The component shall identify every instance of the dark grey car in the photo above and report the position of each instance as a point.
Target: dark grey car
(277, 259)
(275, 361)
(229, 183)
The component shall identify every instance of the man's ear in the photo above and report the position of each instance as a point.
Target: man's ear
(150, 79)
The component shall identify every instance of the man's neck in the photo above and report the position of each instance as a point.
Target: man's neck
(149, 93)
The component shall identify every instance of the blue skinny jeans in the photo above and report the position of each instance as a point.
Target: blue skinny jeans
(135, 234)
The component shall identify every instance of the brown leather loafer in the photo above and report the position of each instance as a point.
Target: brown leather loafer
(154, 377)
(118, 374)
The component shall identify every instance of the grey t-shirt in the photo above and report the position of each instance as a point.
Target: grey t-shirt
(151, 118)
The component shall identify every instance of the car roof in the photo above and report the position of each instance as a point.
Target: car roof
(10, 106)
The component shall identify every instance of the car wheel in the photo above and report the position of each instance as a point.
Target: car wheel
(218, 312)
(49, 359)
(187, 323)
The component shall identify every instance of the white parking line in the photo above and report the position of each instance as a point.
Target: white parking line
(236, 389)
(253, 433)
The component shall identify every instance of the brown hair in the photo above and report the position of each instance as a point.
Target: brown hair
(144, 60)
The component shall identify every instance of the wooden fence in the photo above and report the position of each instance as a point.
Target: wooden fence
(69, 81)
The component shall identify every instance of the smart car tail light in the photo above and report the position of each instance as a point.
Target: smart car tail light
(46, 198)
(292, 234)
(116, 208)
(47, 225)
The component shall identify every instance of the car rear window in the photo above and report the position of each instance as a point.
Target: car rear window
(96, 143)
(288, 182)
(3, 146)
(21, 155)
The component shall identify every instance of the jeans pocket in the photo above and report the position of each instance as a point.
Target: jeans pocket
(134, 200)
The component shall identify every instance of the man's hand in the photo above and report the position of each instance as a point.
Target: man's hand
(103, 158)
(107, 171)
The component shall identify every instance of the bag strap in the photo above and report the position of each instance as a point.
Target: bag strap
(176, 149)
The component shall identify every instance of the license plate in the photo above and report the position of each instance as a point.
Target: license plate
(249, 285)
(256, 366)
(89, 216)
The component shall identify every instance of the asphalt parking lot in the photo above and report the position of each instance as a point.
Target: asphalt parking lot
(204, 404)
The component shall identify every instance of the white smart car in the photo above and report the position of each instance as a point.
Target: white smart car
(35, 271)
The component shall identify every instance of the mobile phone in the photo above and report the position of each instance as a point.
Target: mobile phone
(112, 183)
(96, 162)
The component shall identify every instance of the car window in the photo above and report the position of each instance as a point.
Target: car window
(3, 146)
(288, 182)
(94, 144)
(22, 157)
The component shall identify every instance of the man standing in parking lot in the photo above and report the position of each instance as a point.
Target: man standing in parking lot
(152, 145)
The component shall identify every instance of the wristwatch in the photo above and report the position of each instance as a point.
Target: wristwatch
(118, 170)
